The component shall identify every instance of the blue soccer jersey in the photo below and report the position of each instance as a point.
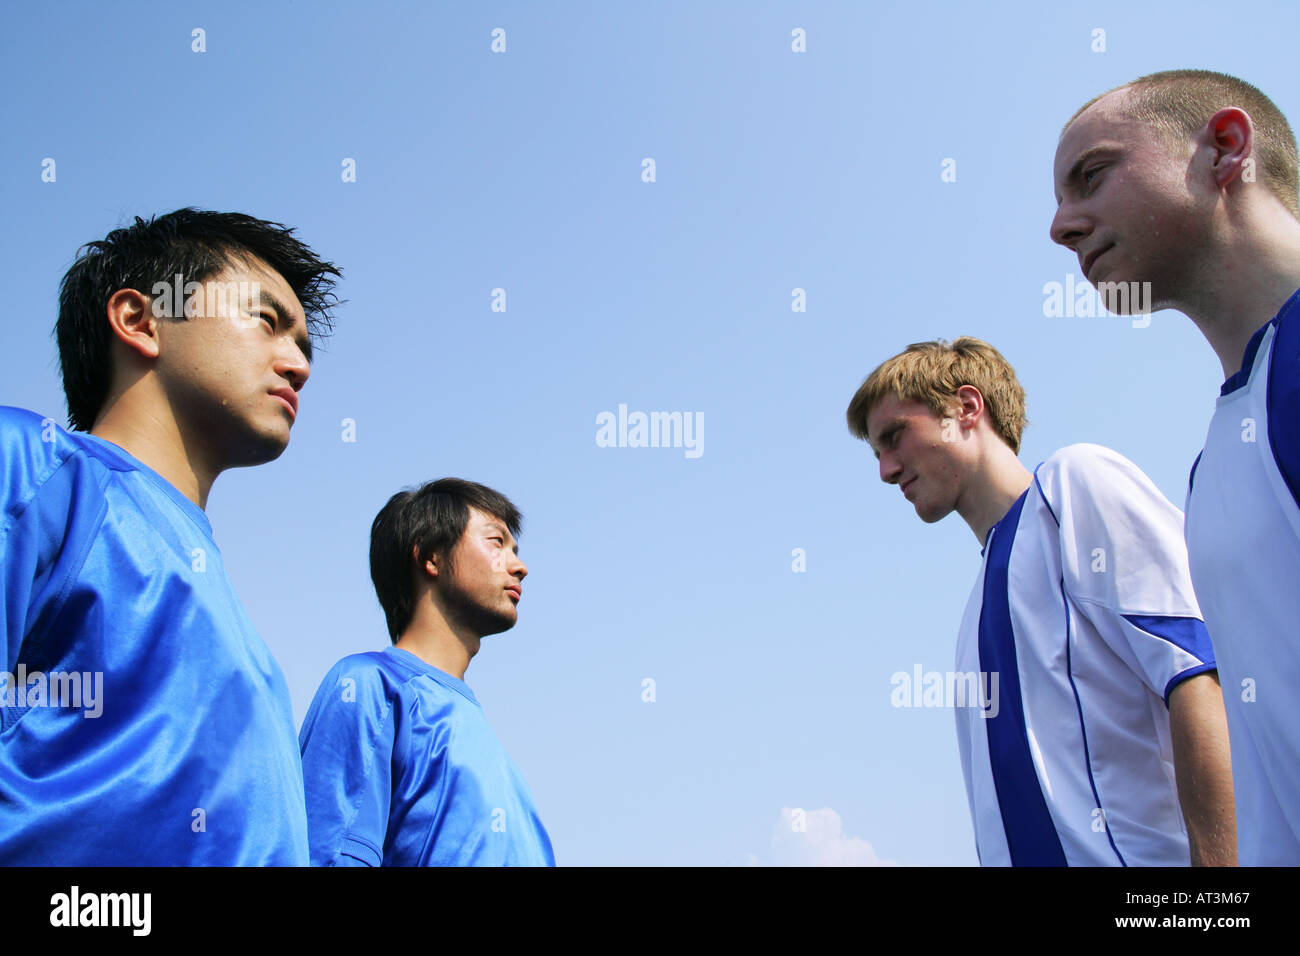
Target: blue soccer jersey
(1081, 623)
(142, 719)
(402, 769)
(1243, 537)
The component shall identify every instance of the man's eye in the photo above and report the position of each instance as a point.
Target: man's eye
(1090, 174)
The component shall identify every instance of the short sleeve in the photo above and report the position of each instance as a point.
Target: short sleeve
(51, 510)
(347, 744)
(1124, 563)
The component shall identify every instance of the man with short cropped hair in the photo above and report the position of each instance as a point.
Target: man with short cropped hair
(401, 766)
(1099, 738)
(184, 343)
(1187, 181)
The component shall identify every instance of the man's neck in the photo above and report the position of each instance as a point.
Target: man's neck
(1243, 283)
(430, 638)
(996, 488)
(138, 428)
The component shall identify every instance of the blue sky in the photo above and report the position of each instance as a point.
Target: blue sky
(522, 170)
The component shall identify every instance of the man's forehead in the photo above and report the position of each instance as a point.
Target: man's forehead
(889, 410)
(1108, 118)
(482, 519)
(246, 267)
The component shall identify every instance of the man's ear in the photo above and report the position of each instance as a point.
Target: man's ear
(970, 406)
(429, 567)
(1231, 134)
(131, 318)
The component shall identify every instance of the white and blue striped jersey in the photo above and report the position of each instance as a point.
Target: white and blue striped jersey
(1084, 615)
(1243, 539)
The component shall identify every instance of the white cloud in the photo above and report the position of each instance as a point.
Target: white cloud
(816, 838)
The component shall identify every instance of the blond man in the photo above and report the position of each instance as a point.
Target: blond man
(1099, 737)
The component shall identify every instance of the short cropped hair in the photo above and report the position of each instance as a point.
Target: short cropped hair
(1180, 102)
(193, 243)
(931, 372)
(428, 520)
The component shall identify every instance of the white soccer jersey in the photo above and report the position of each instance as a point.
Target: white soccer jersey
(1085, 613)
(1243, 538)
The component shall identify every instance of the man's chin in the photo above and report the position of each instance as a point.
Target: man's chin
(931, 515)
(260, 449)
(492, 622)
(1121, 296)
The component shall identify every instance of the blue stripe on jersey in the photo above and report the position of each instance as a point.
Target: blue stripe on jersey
(1031, 836)
(1239, 378)
(1284, 395)
(1189, 633)
(1191, 476)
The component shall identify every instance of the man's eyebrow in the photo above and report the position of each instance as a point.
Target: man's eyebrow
(885, 432)
(1089, 154)
(500, 527)
(265, 298)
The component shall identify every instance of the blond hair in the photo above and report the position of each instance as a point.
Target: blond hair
(931, 372)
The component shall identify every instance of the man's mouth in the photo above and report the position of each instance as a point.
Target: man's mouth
(1091, 259)
(290, 399)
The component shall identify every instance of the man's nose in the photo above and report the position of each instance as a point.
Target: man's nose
(1068, 227)
(889, 469)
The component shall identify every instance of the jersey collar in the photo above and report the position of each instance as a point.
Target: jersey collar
(1240, 377)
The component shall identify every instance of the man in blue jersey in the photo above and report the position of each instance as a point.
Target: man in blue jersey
(1097, 737)
(1183, 185)
(142, 719)
(401, 767)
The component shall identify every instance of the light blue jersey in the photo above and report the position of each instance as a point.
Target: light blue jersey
(1243, 536)
(402, 769)
(142, 719)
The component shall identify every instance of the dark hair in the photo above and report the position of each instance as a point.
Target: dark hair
(194, 243)
(432, 519)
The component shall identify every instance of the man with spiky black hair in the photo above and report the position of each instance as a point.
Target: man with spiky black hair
(142, 719)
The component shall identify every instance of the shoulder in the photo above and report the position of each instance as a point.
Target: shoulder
(31, 444)
(368, 671)
(357, 696)
(1085, 461)
(33, 448)
(375, 676)
(1089, 469)
(1085, 479)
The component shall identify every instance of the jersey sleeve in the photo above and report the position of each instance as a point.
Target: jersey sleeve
(1124, 563)
(347, 743)
(49, 512)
